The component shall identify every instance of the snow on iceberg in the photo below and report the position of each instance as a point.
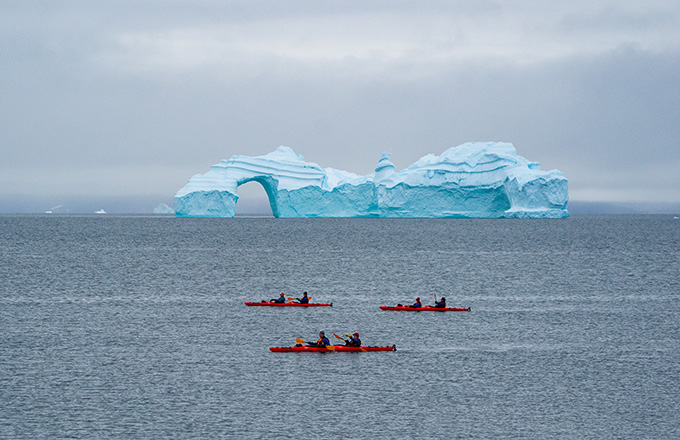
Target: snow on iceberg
(473, 180)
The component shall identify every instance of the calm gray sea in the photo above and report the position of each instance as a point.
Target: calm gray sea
(133, 327)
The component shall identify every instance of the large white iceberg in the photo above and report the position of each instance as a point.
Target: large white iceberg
(477, 179)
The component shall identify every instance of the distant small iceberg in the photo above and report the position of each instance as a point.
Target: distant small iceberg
(163, 209)
(100, 211)
(59, 209)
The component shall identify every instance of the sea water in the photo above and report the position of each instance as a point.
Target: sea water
(135, 327)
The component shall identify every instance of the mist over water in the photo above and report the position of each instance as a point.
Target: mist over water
(135, 327)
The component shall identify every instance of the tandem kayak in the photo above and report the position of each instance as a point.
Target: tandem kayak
(425, 308)
(305, 348)
(288, 304)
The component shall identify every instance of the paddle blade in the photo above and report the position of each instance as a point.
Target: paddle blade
(299, 341)
(330, 347)
(339, 337)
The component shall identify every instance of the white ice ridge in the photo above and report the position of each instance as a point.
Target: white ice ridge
(476, 179)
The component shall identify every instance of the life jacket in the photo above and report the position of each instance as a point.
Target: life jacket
(356, 342)
(322, 342)
(417, 304)
(441, 304)
(304, 300)
(280, 299)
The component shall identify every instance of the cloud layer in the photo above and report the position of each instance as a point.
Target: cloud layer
(130, 99)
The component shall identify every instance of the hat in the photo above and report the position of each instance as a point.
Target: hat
(418, 299)
(322, 333)
(356, 335)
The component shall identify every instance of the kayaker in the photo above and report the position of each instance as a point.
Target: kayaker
(417, 304)
(304, 299)
(323, 340)
(354, 341)
(441, 304)
(280, 299)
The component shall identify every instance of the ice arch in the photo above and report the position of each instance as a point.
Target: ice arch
(295, 188)
(269, 187)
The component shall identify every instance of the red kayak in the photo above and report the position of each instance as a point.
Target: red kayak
(425, 308)
(305, 348)
(288, 304)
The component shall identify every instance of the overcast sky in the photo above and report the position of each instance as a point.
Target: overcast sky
(118, 103)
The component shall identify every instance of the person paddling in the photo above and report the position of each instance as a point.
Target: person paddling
(304, 299)
(322, 342)
(280, 299)
(441, 304)
(354, 341)
(417, 304)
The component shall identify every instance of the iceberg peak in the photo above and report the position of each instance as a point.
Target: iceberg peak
(285, 154)
(384, 169)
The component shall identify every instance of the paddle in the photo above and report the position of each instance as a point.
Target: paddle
(291, 299)
(340, 337)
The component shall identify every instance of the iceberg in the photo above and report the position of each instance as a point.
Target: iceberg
(163, 209)
(473, 180)
(59, 209)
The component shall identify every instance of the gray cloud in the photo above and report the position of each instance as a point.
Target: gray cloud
(132, 99)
